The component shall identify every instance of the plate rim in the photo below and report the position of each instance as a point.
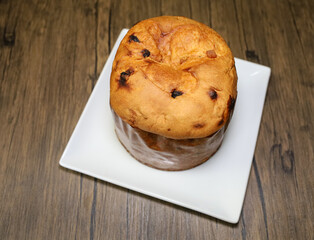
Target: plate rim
(107, 65)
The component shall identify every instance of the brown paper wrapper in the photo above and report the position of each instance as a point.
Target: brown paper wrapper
(165, 153)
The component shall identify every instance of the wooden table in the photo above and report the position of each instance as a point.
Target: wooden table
(51, 54)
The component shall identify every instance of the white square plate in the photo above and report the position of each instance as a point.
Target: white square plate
(215, 188)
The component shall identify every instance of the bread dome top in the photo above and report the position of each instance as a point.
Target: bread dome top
(175, 77)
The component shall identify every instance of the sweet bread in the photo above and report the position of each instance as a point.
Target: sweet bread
(173, 88)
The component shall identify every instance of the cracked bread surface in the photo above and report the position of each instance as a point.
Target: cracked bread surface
(174, 77)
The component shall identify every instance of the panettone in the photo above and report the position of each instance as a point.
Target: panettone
(173, 88)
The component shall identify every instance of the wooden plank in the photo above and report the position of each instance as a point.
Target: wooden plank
(39, 94)
(275, 163)
(176, 8)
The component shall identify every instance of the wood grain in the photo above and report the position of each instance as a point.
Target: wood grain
(51, 55)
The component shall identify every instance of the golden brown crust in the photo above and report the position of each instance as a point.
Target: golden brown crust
(174, 77)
